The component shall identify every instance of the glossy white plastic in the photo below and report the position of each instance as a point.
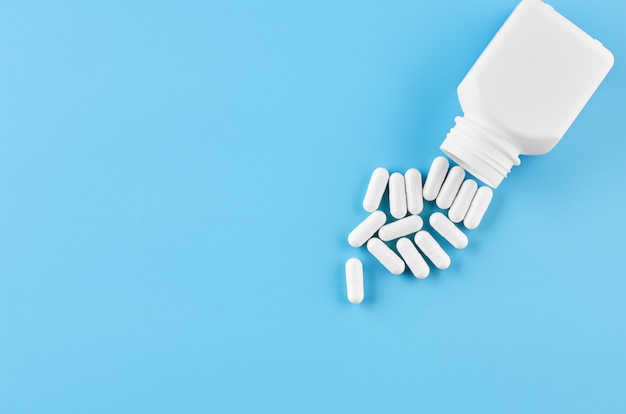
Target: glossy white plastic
(431, 249)
(385, 256)
(414, 260)
(413, 184)
(448, 230)
(375, 189)
(479, 206)
(434, 178)
(524, 91)
(450, 187)
(462, 201)
(354, 280)
(400, 228)
(366, 229)
(397, 196)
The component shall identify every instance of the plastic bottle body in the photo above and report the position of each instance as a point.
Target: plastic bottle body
(524, 91)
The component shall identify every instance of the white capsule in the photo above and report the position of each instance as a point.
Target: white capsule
(414, 260)
(448, 230)
(354, 280)
(400, 228)
(478, 207)
(462, 202)
(375, 189)
(397, 195)
(450, 187)
(385, 256)
(435, 177)
(431, 249)
(413, 184)
(366, 228)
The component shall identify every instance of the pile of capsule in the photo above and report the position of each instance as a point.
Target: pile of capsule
(462, 198)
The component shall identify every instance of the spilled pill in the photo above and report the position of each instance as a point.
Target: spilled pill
(413, 184)
(397, 195)
(478, 207)
(354, 280)
(448, 230)
(431, 249)
(375, 189)
(385, 256)
(400, 228)
(435, 177)
(462, 202)
(366, 228)
(450, 187)
(414, 260)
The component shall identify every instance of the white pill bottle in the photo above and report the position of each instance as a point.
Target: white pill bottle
(524, 91)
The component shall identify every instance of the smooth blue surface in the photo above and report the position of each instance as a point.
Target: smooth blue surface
(177, 181)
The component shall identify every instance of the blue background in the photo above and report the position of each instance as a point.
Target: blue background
(177, 182)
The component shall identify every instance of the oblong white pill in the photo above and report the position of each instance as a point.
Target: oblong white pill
(462, 202)
(431, 249)
(366, 228)
(434, 179)
(354, 280)
(397, 195)
(413, 184)
(375, 189)
(448, 230)
(400, 228)
(385, 256)
(414, 260)
(450, 187)
(478, 207)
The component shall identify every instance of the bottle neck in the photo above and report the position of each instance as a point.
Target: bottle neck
(480, 150)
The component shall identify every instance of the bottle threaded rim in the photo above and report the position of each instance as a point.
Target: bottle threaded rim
(483, 153)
